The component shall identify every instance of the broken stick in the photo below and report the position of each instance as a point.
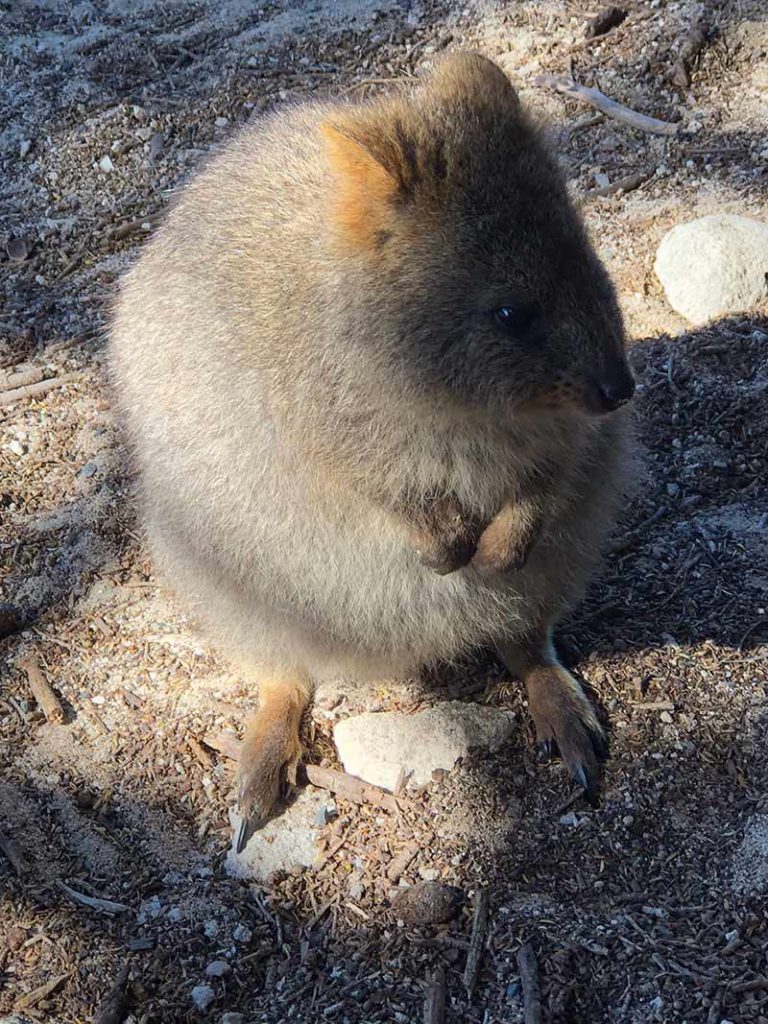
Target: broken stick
(41, 689)
(529, 980)
(35, 390)
(349, 787)
(434, 1007)
(598, 100)
(477, 941)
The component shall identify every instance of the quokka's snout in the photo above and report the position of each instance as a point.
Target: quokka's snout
(610, 388)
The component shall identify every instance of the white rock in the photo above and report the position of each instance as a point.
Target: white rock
(714, 266)
(375, 746)
(218, 969)
(242, 934)
(286, 842)
(233, 1018)
(202, 997)
(106, 164)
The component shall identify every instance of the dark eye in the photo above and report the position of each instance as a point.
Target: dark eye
(516, 317)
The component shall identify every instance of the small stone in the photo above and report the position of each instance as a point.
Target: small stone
(233, 1018)
(106, 165)
(202, 997)
(149, 908)
(287, 842)
(242, 934)
(221, 122)
(428, 903)
(570, 819)
(714, 265)
(211, 929)
(17, 249)
(156, 144)
(375, 746)
(429, 874)
(25, 147)
(666, 717)
(218, 969)
(175, 915)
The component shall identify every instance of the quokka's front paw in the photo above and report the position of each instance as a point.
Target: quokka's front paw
(444, 538)
(507, 541)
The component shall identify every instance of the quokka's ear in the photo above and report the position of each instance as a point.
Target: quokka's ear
(369, 185)
(463, 78)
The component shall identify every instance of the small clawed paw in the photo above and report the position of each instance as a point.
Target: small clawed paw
(266, 762)
(569, 728)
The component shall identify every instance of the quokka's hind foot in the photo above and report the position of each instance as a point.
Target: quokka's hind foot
(270, 753)
(564, 718)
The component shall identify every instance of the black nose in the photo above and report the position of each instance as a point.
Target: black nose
(616, 391)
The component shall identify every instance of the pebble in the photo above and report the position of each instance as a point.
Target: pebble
(242, 934)
(156, 144)
(569, 819)
(106, 165)
(221, 122)
(429, 874)
(25, 147)
(202, 997)
(218, 969)
(375, 746)
(211, 929)
(233, 1018)
(428, 903)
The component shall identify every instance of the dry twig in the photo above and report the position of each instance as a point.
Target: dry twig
(529, 979)
(477, 940)
(35, 390)
(42, 992)
(598, 100)
(94, 902)
(42, 690)
(400, 862)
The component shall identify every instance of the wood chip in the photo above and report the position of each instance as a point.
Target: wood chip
(529, 979)
(434, 1007)
(42, 992)
(400, 862)
(42, 691)
(477, 940)
(94, 902)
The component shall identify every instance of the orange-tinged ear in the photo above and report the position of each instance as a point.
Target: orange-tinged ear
(365, 192)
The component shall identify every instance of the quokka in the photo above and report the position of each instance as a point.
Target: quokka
(370, 368)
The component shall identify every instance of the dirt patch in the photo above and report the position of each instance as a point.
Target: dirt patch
(650, 908)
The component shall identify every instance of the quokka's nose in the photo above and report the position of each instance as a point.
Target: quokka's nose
(616, 389)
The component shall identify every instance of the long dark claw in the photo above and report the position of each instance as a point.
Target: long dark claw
(547, 749)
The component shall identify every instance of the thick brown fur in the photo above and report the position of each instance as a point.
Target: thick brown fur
(325, 411)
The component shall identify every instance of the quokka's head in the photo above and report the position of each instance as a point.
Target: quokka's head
(480, 283)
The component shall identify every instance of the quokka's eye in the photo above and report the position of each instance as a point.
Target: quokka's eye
(515, 318)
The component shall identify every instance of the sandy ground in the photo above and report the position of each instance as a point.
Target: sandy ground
(651, 908)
